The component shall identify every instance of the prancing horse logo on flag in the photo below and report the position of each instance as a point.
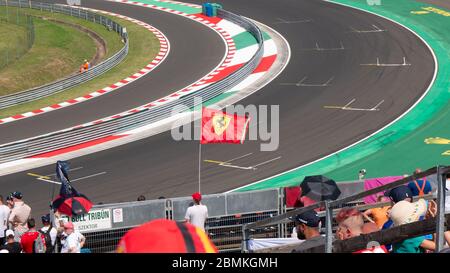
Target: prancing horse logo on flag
(220, 123)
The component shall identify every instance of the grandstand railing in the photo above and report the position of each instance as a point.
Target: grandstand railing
(440, 171)
(227, 213)
(73, 80)
(81, 134)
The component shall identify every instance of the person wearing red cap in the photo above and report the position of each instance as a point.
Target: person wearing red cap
(74, 240)
(197, 213)
(165, 236)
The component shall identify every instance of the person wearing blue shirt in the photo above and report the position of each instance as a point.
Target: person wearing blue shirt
(420, 187)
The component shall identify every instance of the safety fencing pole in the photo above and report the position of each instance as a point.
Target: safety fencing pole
(440, 209)
(328, 227)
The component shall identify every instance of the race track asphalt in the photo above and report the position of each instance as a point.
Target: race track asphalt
(159, 166)
(195, 51)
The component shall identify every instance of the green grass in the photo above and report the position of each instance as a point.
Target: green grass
(143, 48)
(14, 46)
(58, 51)
(112, 39)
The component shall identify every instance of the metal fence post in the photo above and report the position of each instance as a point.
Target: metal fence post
(244, 239)
(328, 227)
(440, 210)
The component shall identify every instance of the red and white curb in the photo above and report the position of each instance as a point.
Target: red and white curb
(203, 82)
(180, 3)
(159, 58)
(138, 133)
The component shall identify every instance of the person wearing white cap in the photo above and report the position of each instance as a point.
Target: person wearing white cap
(405, 212)
(11, 246)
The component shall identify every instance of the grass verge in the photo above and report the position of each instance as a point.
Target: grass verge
(15, 46)
(58, 51)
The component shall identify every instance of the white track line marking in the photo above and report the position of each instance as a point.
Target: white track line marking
(49, 181)
(265, 162)
(89, 176)
(239, 157)
(282, 21)
(385, 64)
(301, 83)
(347, 108)
(227, 164)
(318, 48)
(71, 170)
(374, 30)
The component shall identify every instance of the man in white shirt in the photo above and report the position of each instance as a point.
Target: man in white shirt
(197, 213)
(4, 214)
(45, 229)
(74, 240)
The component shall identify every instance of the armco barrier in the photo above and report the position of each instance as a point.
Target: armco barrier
(71, 81)
(69, 137)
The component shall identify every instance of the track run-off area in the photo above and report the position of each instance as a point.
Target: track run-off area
(334, 53)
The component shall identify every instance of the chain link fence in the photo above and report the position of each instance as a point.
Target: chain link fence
(20, 28)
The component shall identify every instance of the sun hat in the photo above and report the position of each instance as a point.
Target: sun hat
(405, 212)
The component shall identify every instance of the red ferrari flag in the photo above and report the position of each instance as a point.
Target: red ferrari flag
(220, 127)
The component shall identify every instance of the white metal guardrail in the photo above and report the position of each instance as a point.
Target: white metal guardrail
(73, 136)
(74, 80)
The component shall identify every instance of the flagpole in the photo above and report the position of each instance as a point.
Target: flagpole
(199, 164)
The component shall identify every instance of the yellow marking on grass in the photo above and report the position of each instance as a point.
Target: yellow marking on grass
(420, 12)
(438, 11)
(437, 140)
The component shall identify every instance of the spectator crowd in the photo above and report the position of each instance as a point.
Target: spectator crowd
(19, 233)
(352, 222)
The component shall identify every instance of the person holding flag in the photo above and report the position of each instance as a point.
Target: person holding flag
(69, 201)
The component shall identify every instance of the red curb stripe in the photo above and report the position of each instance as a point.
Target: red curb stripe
(265, 64)
(225, 72)
(213, 20)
